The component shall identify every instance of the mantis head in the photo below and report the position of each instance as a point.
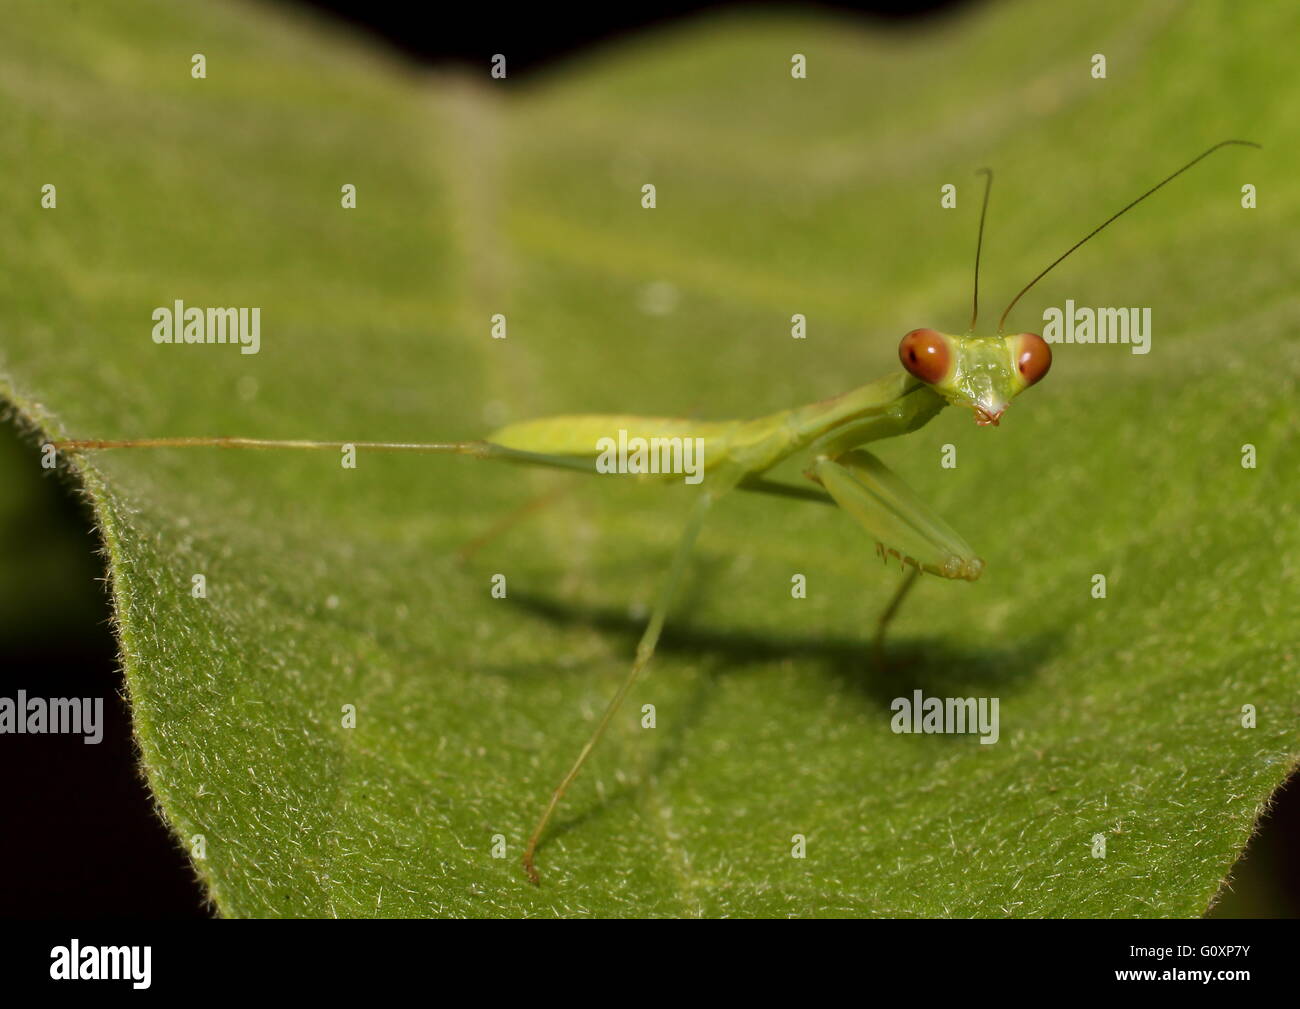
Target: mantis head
(982, 373)
(985, 373)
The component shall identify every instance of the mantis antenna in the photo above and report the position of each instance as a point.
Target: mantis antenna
(979, 244)
(1120, 213)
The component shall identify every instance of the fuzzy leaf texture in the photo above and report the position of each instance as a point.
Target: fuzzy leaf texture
(328, 587)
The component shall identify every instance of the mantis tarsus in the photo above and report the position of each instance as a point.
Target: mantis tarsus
(980, 373)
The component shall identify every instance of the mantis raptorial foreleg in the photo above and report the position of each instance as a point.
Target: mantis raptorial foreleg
(902, 524)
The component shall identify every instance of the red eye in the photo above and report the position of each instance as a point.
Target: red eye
(925, 354)
(1033, 357)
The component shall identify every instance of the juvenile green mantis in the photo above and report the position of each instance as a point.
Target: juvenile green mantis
(980, 373)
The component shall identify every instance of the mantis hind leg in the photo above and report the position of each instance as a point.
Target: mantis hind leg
(645, 650)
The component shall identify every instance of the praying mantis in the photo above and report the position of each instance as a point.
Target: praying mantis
(980, 373)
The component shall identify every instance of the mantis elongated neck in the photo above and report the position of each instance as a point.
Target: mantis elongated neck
(890, 406)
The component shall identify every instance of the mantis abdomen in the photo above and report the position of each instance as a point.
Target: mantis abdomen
(589, 435)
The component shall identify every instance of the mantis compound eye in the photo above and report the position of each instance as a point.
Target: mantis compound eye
(926, 355)
(1033, 357)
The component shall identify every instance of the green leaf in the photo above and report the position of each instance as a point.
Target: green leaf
(329, 587)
